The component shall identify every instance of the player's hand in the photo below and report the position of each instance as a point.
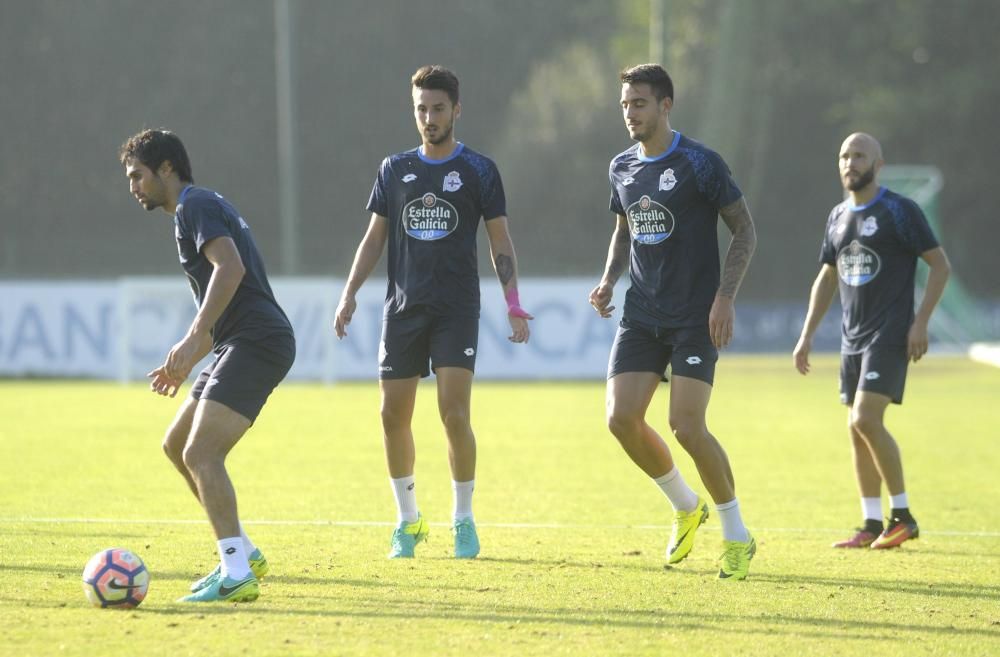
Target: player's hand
(520, 331)
(800, 356)
(162, 384)
(185, 354)
(720, 321)
(345, 311)
(600, 297)
(917, 341)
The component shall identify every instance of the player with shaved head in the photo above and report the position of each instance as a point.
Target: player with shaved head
(870, 250)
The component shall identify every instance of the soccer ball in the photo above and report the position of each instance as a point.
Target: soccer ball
(115, 578)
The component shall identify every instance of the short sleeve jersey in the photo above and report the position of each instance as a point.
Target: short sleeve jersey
(253, 314)
(672, 205)
(875, 249)
(433, 209)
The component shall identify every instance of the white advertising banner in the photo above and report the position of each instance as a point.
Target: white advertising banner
(122, 329)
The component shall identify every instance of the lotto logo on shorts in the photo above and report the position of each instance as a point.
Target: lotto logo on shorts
(694, 360)
(469, 351)
(872, 376)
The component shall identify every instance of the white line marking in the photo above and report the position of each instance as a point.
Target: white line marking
(499, 525)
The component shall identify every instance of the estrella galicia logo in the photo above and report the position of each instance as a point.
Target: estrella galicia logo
(649, 222)
(429, 218)
(857, 264)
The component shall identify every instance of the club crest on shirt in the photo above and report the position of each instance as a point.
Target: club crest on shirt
(667, 180)
(857, 264)
(869, 227)
(452, 182)
(429, 218)
(649, 222)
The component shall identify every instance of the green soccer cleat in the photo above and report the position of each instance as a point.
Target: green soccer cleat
(258, 566)
(686, 523)
(224, 589)
(736, 558)
(466, 539)
(406, 536)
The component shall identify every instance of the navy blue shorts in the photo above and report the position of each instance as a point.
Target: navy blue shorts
(415, 344)
(244, 374)
(642, 348)
(878, 369)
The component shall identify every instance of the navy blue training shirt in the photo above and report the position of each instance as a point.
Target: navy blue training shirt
(672, 204)
(875, 249)
(253, 313)
(433, 208)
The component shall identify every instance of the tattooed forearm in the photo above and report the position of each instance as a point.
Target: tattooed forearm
(741, 248)
(505, 268)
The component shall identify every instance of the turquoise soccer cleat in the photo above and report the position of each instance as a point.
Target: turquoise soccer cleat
(258, 566)
(466, 539)
(224, 589)
(406, 536)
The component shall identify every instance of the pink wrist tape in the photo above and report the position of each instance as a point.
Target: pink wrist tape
(514, 304)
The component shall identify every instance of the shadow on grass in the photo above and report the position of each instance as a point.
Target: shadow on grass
(522, 617)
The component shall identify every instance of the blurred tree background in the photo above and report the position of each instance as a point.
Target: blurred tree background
(772, 85)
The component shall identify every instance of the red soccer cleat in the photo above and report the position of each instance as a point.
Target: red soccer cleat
(896, 534)
(861, 539)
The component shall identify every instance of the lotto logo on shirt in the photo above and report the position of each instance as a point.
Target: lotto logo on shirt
(429, 218)
(649, 222)
(857, 264)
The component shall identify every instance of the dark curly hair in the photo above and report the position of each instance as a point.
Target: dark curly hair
(154, 147)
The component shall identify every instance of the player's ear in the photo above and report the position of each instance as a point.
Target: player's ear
(165, 169)
(668, 103)
(458, 109)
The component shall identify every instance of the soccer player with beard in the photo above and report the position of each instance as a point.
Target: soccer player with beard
(239, 319)
(870, 250)
(667, 192)
(427, 203)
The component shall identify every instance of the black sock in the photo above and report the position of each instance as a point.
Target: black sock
(873, 526)
(903, 515)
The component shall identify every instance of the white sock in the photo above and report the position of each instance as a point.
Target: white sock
(248, 545)
(899, 501)
(871, 508)
(733, 528)
(406, 498)
(681, 497)
(234, 558)
(463, 499)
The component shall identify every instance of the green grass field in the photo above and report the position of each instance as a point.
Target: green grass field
(573, 534)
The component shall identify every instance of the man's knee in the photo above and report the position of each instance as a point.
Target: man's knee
(688, 429)
(867, 425)
(173, 443)
(393, 419)
(624, 423)
(456, 420)
(197, 457)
